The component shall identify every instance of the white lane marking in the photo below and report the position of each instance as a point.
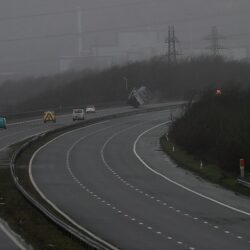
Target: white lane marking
(176, 183)
(12, 237)
(127, 216)
(21, 131)
(8, 232)
(34, 120)
(25, 138)
(49, 201)
(127, 183)
(24, 122)
(118, 176)
(124, 109)
(72, 174)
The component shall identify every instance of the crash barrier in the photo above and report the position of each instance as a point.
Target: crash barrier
(243, 182)
(91, 241)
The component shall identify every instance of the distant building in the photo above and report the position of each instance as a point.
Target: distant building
(126, 47)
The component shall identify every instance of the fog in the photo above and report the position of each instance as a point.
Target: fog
(41, 37)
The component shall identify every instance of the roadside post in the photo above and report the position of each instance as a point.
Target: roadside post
(166, 136)
(171, 115)
(242, 168)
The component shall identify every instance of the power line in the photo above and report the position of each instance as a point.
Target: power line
(103, 30)
(55, 59)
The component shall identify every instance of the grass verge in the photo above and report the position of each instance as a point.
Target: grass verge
(209, 172)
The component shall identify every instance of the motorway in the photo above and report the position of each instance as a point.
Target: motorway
(112, 180)
(20, 130)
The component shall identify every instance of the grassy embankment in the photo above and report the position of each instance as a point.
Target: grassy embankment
(215, 131)
(209, 172)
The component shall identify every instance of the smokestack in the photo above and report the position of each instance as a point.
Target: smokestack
(79, 30)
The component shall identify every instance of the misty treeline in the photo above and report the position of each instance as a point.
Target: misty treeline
(216, 128)
(166, 81)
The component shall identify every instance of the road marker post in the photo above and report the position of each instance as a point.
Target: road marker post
(242, 168)
(166, 135)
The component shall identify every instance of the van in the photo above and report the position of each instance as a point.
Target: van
(78, 114)
(3, 122)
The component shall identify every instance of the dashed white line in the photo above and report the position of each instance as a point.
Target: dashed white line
(135, 188)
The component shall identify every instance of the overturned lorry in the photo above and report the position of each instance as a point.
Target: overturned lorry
(139, 96)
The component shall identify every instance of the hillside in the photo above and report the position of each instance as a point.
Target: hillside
(167, 81)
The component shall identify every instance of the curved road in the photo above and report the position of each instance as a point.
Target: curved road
(112, 180)
(20, 130)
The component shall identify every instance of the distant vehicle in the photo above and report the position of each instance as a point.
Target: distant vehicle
(138, 97)
(90, 109)
(3, 122)
(49, 116)
(78, 114)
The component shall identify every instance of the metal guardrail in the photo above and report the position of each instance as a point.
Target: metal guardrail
(73, 231)
(94, 243)
(243, 182)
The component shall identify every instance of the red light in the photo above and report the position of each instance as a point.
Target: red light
(218, 92)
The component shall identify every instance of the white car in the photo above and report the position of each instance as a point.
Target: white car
(90, 109)
(78, 114)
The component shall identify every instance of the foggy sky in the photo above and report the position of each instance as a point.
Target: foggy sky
(193, 20)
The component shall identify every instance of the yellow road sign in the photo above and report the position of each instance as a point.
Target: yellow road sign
(49, 116)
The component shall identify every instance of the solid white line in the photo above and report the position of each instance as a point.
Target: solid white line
(34, 120)
(5, 230)
(49, 201)
(27, 137)
(20, 132)
(176, 183)
(9, 232)
(12, 236)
